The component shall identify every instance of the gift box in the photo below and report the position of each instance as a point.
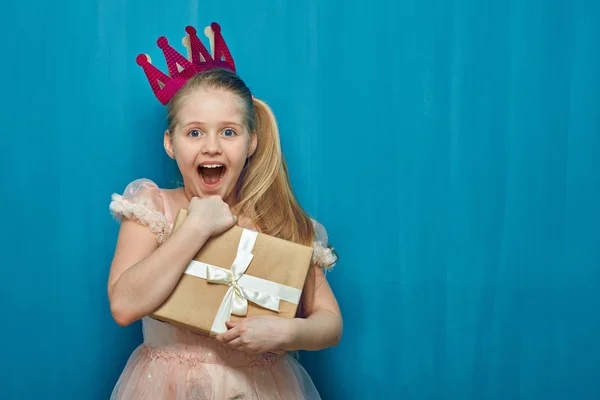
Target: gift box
(237, 274)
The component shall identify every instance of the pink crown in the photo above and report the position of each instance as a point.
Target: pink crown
(181, 68)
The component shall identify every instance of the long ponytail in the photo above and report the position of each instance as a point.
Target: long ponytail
(264, 191)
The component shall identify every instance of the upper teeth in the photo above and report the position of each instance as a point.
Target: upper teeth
(212, 165)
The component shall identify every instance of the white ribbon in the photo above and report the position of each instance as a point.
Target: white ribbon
(242, 287)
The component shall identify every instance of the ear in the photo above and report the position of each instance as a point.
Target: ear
(168, 143)
(253, 144)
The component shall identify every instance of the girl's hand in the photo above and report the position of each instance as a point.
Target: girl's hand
(258, 334)
(212, 214)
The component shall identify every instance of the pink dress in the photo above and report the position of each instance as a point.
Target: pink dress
(174, 363)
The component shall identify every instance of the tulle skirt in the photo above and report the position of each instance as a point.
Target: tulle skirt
(155, 373)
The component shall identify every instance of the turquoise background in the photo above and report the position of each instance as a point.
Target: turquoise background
(451, 148)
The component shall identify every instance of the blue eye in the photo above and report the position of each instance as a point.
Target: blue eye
(229, 132)
(194, 133)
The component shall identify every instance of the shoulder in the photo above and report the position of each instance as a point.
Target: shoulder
(324, 255)
(143, 202)
(141, 190)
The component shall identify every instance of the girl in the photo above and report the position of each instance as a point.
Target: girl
(226, 145)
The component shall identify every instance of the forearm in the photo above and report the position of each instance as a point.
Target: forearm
(320, 330)
(143, 287)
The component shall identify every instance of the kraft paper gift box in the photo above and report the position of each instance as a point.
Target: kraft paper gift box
(217, 286)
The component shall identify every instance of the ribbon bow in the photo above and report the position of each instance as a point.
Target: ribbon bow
(237, 297)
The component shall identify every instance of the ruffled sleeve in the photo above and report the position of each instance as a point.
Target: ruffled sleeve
(324, 256)
(143, 203)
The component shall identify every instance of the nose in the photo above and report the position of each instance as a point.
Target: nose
(211, 145)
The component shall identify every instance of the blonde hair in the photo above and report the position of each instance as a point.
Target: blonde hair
(263, 191)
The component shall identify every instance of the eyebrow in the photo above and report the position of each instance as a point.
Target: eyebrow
(203, 123)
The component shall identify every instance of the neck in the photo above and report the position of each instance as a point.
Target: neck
(187, 196)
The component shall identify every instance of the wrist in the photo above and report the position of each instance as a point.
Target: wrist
(196, 227)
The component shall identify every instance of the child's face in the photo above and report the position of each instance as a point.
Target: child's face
(211, 143)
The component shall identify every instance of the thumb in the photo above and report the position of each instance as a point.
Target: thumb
(230, 324)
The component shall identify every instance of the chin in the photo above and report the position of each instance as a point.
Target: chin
(203, 190)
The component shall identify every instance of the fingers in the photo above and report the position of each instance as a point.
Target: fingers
(229, 335)
(230, 324)
(226, 206)
(244, 345)
(236, 343)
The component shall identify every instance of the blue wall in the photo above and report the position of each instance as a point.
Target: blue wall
(451, 148)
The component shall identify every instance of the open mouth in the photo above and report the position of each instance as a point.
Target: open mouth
(211, 174)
